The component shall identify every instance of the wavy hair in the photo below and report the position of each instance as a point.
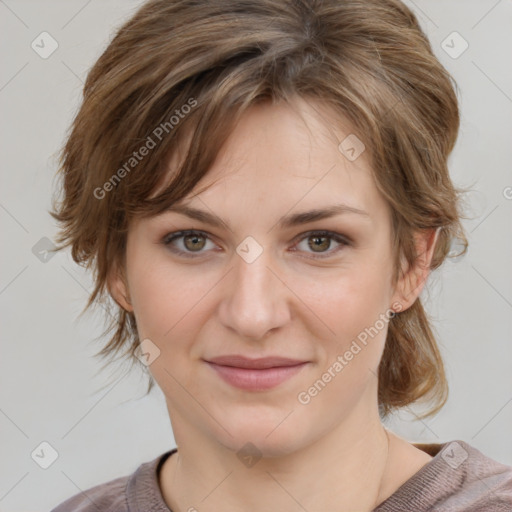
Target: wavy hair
(192, 67)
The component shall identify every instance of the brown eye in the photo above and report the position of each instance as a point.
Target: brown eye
(189, 244)
(194, 242)
(319, 243)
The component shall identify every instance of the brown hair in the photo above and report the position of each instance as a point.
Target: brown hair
(193, 67)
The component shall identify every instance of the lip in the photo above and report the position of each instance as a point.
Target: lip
(260, 363)
(255, 374)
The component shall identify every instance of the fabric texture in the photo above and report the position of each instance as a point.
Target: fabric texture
(458, 479)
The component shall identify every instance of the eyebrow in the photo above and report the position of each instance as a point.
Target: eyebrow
(286, 221)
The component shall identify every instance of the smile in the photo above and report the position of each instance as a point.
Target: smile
(256, 379)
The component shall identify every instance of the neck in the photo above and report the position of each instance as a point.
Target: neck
(344, 470)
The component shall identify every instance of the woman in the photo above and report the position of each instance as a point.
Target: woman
(262, 188)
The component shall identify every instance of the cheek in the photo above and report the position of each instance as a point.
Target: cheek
(354, 307)
(149, 290)
(153, 299)
(353, 304)
(166, 299)
(348, 301)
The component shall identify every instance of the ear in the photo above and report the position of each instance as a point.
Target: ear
(118, 288)
(411, 282)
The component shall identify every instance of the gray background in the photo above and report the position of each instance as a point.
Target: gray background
(51, 387)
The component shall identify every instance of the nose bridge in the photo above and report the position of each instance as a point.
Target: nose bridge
(255, 300)
(254, 275)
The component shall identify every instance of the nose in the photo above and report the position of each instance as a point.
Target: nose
(255, 300)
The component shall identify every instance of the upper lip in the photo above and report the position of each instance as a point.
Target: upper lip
(263, 362)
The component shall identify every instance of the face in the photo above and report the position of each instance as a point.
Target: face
(264, 282)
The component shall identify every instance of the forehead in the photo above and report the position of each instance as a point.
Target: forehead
(281, 155)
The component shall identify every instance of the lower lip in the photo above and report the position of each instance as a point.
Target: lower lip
(256, 380)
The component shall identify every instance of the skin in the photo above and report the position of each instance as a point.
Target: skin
(329, 454)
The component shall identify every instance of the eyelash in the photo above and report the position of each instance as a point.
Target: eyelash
(169, 238)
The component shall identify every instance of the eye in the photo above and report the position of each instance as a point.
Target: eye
(190, 243)
(320, 241)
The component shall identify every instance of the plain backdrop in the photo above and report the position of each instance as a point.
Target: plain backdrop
(98, 428)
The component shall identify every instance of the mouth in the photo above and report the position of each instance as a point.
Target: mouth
(255, 374)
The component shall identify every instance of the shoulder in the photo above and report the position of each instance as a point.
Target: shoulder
(107, 497)
(139, 490)
(459, 478)
(480, 482)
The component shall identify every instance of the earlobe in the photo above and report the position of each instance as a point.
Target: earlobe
(118, 290)
(413, 279)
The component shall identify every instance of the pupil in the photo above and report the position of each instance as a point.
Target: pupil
(193, 239)
(318, 245)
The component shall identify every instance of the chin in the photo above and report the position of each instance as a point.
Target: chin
(267, 437)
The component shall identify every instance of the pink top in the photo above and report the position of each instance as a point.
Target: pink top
(458, 479)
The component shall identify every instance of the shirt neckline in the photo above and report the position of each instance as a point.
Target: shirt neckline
(143, 487)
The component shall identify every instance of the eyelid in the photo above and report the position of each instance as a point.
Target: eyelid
(324, 232)
(342, 240)
(339, 238)
(176, 235)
